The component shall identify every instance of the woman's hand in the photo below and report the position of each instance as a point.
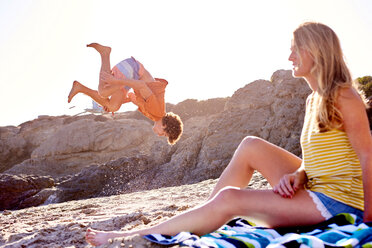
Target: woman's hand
(290, 183)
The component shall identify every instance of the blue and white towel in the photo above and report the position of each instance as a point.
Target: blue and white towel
(343, 230)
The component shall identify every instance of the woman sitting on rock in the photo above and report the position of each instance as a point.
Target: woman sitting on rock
(148, 93)
(333, 176)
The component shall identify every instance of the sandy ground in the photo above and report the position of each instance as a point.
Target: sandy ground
(64, 224)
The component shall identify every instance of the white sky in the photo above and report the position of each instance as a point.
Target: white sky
(204, 48)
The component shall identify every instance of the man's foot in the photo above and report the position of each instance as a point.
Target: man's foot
(74, 90)
(96, 238)
(101, 49)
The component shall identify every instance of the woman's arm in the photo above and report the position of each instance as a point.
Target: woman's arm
(356, 125)
(290, 183)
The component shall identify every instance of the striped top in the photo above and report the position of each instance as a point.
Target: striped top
(331, 164)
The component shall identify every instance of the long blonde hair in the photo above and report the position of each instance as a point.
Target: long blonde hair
(329, 68)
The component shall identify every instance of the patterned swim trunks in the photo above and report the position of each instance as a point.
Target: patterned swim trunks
(128, 68)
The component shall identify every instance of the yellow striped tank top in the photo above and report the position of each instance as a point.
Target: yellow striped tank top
(331, 164)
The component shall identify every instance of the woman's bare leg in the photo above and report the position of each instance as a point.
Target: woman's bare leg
(105, 52)
(263, 206)
(110, 104)
(254, 153)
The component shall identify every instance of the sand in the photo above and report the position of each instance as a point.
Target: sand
(65, 224)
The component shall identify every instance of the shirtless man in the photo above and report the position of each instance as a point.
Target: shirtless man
(148, 95)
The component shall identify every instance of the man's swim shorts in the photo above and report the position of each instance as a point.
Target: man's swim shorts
(129, 68)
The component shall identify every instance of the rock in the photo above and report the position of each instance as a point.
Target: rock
(13, 147)
(185, 156)
(23, 191)
(18, 143)
(192, 108)
(272, 110)
(288, 111)
(254, 95)
(83, 142)
(102, 180)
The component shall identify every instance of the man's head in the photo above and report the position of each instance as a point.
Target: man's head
(173, 127)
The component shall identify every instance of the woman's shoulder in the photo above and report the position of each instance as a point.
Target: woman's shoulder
(346, 95)
(348, 92)
(349, 101)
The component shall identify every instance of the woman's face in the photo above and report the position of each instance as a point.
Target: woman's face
(302, 62)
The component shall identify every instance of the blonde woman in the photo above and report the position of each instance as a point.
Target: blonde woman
(334, 176)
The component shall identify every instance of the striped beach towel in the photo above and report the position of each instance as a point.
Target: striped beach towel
(343, 230)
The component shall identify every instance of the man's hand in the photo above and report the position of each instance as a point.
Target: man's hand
(107, 78)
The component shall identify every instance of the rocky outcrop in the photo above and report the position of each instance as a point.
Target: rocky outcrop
(13, 147)
(193, 108)
(272, 110)
(23, 191)
(59, 146)
(95, 155)
(112, 178)
(83, 142)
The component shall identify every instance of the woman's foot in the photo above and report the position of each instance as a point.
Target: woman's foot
(96, 238)
(101, 49)
(74, 90)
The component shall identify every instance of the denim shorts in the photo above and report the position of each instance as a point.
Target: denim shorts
(329, 207)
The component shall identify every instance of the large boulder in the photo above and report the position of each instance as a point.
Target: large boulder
(288, 111)
(273, 110)
(18, 143)
(184, 156)
(110, 178)
(22, 191)
(13, 147)
(192, 108)
(85, 141)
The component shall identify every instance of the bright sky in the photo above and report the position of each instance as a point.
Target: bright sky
(204, 48)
